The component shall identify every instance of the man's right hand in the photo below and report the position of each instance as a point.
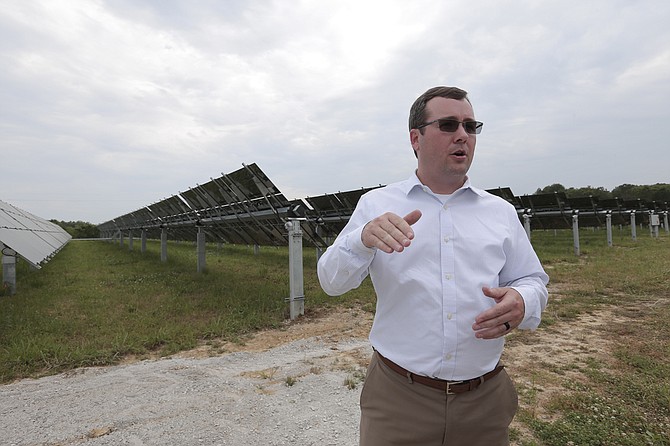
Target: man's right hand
(390, 232)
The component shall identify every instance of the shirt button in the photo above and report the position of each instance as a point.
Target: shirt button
(448, 276)
(445, 206)
(446, 239)
(448, 357)
(450, 315)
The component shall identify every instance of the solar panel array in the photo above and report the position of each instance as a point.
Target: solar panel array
(34, 239)
(555, 210)
(242, 207)
(245, 207)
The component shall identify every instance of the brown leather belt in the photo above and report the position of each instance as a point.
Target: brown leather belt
(449, 387)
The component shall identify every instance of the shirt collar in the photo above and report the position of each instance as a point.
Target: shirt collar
(414, 182)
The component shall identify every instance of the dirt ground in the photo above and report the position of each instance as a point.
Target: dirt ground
(539, 362)
(298, 384)
(333, 326)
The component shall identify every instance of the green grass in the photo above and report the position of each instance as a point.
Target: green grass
(95, 303)
(624, 401)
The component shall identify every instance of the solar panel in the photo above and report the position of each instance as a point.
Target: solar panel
(324, 204)
(195, 200)
(543, 202)
(245, 207)
(589, 215)
(506, 194)
(331, 212)
(33, 238)
(171, 208)
(240, 207)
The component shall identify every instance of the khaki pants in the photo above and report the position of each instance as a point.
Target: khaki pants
(395, 412)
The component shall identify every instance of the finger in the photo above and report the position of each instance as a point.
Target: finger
(374, 236)
(399, 228)
(412, 217)
(390, 232)
(402, 225)
(493, 333)
(507, 300)
(494, 293)
(491, 317)
(483, 322)
(387, 243)
(384, 233)
(396, 233)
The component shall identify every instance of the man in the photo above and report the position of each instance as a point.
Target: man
(454, 273)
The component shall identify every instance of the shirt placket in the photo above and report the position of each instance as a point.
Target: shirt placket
(449, 291)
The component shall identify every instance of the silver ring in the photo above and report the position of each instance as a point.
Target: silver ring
(507, 326)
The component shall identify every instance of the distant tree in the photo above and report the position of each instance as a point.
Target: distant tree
(625, 191)
(659, 192)
(79, 229)
(556, 187)
(597, 192)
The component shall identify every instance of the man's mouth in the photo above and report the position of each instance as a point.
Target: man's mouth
(459, 153)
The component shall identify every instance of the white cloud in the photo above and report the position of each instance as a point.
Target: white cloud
(137, 100)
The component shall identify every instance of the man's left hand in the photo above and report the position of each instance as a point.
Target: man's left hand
(506, 315)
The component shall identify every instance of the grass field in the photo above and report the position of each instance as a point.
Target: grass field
(96, 303)
(616, 391)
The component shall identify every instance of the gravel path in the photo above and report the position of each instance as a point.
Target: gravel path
(304, 392)
(242, 397)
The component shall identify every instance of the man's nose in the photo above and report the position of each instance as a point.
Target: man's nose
(461, 134)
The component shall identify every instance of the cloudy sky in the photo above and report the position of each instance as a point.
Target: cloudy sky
(108, 106)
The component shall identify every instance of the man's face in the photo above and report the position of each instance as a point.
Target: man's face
(444, 157)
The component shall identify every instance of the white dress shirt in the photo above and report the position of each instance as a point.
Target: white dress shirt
(429, 295)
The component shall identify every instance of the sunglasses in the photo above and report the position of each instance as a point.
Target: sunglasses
(451, 125)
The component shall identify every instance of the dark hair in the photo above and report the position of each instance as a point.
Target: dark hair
(417, 113)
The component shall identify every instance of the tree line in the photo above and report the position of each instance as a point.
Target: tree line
(79, 229)
(659, 192)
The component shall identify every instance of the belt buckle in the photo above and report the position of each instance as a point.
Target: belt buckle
(452, 383)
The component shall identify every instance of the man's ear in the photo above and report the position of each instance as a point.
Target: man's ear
(414, 135)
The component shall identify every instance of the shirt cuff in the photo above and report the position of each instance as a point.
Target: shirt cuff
(533, 310)
(354, 243)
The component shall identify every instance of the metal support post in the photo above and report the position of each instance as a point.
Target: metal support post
(163, 244)
(121, 238)
(201, 250)
(257, 249)
(526, 222)
(130, 240)
(665, 221)
(654, 223)
(297, 297)
(143, 243)
(319, 250)
(633, 228)
(8, 269)
(575, 231)
(608, 219)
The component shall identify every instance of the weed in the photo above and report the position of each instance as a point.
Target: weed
(355, 378)
(268, 373)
